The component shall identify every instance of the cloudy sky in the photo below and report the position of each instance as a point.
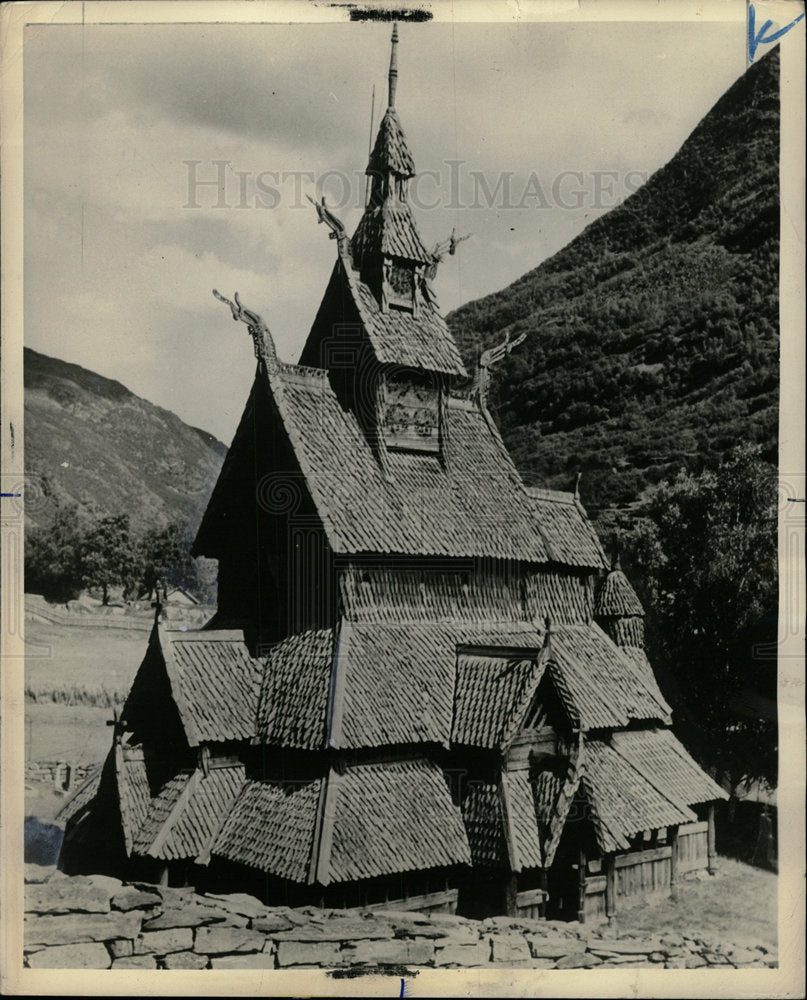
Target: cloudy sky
(525, 133)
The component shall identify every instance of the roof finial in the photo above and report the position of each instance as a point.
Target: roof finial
(393, 66)
(487, 360)
(261, 336)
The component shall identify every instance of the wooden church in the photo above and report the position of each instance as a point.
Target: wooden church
(425, 686)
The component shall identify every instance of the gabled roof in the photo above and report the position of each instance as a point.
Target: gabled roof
(606, 688)
(187, 812)
(666, 764)
(492, 693)
(214, 683)
(617, 598)
(623, 802)
(389, 229)
(399, 337)
(570, 535)
(470, 505)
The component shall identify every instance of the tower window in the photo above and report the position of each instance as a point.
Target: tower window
(401, 285)
(411, 416)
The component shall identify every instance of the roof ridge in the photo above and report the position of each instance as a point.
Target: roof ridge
(173, 673)
(531, 689)
(554, 496)
(203, 635)
(175, 812)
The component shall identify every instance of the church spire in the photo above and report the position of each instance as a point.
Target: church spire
(393, 67)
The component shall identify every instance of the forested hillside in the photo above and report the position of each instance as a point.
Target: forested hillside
(92, 443)
(652, 339)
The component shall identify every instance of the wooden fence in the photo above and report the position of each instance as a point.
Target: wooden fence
(647, 873)
(693, 847)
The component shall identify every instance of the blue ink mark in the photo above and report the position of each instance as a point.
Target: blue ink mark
(403, 992)
(760, 38)
(10, 494)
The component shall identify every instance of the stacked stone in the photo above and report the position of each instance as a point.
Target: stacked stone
(45, 770)
(96, 922)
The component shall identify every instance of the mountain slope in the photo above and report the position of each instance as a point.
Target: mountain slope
(652, 338)
(90, 441)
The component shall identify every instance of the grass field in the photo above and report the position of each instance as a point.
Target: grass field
(76, 674)
(61, 658)
(737, 904)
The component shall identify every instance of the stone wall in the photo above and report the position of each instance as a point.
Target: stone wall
(47, 770)
(97, 922)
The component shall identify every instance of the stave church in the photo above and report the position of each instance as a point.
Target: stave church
(425, 686)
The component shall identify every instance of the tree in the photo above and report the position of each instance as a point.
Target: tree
(706, 549)
(108, 555)
(164, 555)
(52, 557)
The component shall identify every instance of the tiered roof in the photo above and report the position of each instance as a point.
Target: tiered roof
(407, 669)
(370, 819)
(185, 816)
(470, 503)
(383, 685)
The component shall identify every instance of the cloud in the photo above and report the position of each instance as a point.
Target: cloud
(119, 269)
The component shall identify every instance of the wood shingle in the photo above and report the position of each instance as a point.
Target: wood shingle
(395, 816)
(666, 764)
(623, 801)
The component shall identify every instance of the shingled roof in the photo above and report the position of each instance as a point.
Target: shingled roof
(82, 797)
(667, 765)
(294, 694)
(623, 802)
(186, 813)
(391, 151)
(389, 229)
(570, 536)
(523, 815)
(134, 791)
(214, 683)
(617, 598)
(400, 338)
(606, 688)
(381, 818)
(420, 682)
(471, 505)
(484, 822)
(393, 684)
(492, 694)
(271, 827)
(394, 816)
